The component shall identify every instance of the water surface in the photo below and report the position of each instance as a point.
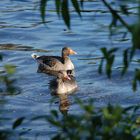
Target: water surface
(22, 33)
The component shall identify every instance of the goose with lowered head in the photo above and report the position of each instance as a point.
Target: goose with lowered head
(63, 84)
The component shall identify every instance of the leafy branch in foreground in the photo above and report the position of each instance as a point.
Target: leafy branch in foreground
(110, 122)
(8, 86)
(109, 57)
(62, 9)
(134, 30)
(7, 81)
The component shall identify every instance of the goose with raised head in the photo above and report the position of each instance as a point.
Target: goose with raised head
(55, 63)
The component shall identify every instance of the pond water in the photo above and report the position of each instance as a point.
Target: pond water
(22, 33)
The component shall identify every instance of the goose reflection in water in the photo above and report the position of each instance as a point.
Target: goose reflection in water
(62, 86)
(64, 103)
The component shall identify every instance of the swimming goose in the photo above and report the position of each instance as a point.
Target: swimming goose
(55, 63)
(63, 84)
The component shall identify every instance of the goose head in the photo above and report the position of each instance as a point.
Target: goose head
(63, 75)
(66, 51)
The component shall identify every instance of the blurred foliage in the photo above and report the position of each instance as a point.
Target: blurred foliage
(62, 9)
(9, 87)
(120, 10)
(8, 82)
(12, 133)
(107, 123)
(109, 57)
(18, 122)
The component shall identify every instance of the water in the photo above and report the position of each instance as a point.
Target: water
(22, 33)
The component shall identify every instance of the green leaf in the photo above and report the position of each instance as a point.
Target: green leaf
(114, 21)
(76, 6)
(124, 9)
(1, 57)
(113, 50)
(137, 74)
(128, 109)
(11, 89)
(58, 6)
(125, 61)
(109, 57)
(108, 70)
(132, 52)
(136, 78)
(134, 85)
(54, 122)
(18, 122)
(57, 137)
(109, 64)
(65, 13)
(40, 117)
(100, 66)
(43, 4)
(54, 113)
(106, 113)
(81, 2)
(138, 120)
(10, 69)
(135, 35)
(104, 51)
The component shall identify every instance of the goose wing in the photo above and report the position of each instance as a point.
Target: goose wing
(50, 60)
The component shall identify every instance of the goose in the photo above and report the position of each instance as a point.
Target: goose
(55, 63)
(63, 84)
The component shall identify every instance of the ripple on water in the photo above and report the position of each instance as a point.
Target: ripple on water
(21, 27)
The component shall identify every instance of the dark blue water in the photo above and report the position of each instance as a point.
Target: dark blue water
(21, 28)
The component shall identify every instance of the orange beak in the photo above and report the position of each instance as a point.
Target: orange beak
(72, 52)
(67, 77)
